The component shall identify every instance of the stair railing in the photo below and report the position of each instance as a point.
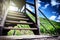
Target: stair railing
(34, 14)
(47, 19)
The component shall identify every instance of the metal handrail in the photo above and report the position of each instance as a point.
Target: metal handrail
(46, 18)
(30, 4)
(35, 14)
(45, 28)
(30, 12)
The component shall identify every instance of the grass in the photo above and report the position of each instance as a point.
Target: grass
(49, 27)
(21, 32)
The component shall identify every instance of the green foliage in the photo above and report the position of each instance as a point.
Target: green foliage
(21, 32)
(10, 32)
(31, 16)
(49, 27)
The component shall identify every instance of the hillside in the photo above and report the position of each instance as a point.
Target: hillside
(49, 27)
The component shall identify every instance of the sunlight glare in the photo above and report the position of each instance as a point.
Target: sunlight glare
(12, 8)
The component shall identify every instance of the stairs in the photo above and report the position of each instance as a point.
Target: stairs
(30, 37)
(11, 18)
(11, 28)
(14, 18)
(17, 22)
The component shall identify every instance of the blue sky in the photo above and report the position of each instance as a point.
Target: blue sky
(51, 8)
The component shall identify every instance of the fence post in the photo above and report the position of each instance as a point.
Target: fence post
(36, 14)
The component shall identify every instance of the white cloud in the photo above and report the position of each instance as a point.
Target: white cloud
(32, 9)
(39, 1)
(45, 6)
(57, 20)
(54, 3)
(58, 17)
(29, 7)
(39, 5)
(52, 17)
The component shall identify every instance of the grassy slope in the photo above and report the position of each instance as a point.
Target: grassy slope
(43, 31)
(49, 27)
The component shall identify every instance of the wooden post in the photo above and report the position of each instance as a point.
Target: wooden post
(37, 17)
(25, 8)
